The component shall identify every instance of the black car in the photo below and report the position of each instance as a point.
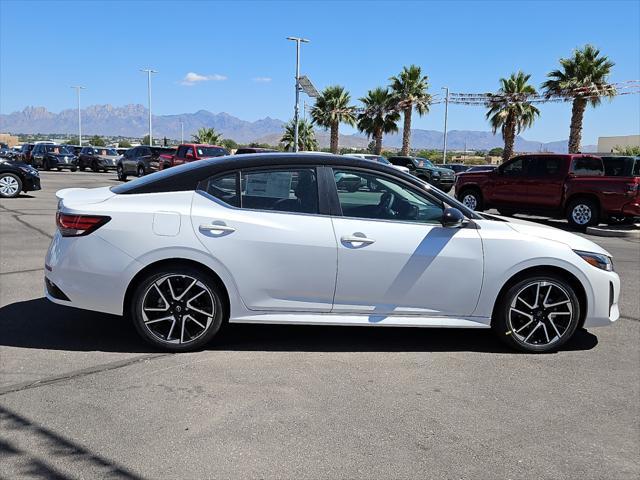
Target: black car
(25, 152)
(98, 158)
(49, 155)
(141, 161)
(244, 150)
(456, 167)
(443, 178)
(621, 166)
(16, 177)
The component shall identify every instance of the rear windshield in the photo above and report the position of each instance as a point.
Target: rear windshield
(211, 151)
(587, 166)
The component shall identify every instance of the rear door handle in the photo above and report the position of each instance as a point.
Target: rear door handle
(216, 228)
(357, 238)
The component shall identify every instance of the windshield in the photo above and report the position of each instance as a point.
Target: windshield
(57, 149)
(422, 162)
(211, 151)
(106, 152)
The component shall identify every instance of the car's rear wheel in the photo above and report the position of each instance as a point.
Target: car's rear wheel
(10, 185)
(46, 165)
(73, 169)
(94, 166)
(537, 314)
(583, 213)
(178, 309)
(140, 171)
(471, 199)
(120, 172)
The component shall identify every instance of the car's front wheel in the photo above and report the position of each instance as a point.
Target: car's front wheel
(537, 314)
(120, 172)
(141, 171)
(471, 199)
(10, 185)
(178, 309)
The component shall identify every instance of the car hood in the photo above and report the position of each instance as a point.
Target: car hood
(444, 170)
(575, 242)
(73, 197)
(108, 157)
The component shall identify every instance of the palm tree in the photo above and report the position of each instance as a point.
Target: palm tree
(306, 136)
(509, 110)
(583, 77)
(378, 117)
(331, 109)
(409, 90)
(207, 136)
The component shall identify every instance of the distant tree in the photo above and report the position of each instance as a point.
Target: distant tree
(145, 140)
(72, 141)
(510, 111)
(306, 136)
(124, 144)
(97, 141)
(379, 116)
(496, 152)
(631, 150)
(584, 77)
(229, 144)
(409, 90)
(331, 109)
(207, 136)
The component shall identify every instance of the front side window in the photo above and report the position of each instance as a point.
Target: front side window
(515, 168)
(368, 195)
(283, 190)
(587, 166)
(545, 166)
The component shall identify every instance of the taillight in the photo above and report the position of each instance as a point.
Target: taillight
(78, 225)
(632, 188)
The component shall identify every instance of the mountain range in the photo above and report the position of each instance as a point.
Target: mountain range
(132, 121)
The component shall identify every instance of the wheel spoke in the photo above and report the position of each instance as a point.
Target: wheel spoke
(554, 326)
(557, 304)
(194, 320)
(156, 320)
(537, 295)
(182, 331)
(171, 329)
(187, 289)
(530, 307)
(524, 326)
(532, 331)
(173, 295)
(528, 315)
(546, 334)
(161, 295)
(199, 311)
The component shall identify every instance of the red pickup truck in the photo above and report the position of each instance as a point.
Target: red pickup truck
(574, 186)
(190, 152)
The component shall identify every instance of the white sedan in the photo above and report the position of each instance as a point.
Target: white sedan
(272, 238)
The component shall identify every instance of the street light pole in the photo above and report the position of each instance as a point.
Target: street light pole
(78, 88)
(181, 131)
(149, 72)
(446, 115)
(296, 112)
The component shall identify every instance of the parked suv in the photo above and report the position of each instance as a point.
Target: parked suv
(140, 161)
(191, 152)
(571, 185)
(51, 155)
(443, 178)
(25, 152)
(98, 158)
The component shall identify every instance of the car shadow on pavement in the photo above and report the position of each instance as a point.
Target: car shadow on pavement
(43, 325)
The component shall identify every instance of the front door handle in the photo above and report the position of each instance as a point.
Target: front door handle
(216, 228)
(357, 238)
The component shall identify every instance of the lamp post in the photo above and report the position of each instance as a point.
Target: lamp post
(446, 115)
(181, 131)
(78, 88)
(149, 71)
(296, 112)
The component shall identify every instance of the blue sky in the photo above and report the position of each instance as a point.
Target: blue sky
(241, 63)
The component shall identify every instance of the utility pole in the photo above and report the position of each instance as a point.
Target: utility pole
(181, 131)
(149, 72)
(296, 113)
(446, 115)
(78, 88)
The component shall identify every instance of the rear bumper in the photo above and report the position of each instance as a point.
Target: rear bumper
(632, 209)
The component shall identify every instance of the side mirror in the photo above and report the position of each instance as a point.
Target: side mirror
(452, 218)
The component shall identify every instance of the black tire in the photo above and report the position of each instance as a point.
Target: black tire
(59, 169)
(120, 172)
(94, 166)
(10, 185)
(210, 302)
(472, 199)
(141, 171)
(73, 169)
(583, 213)
(503, 326)
(46, 165)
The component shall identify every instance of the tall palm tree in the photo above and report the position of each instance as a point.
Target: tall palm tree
(331, 109)
(583, 77)
(306, 136)
(208, 136)
(409, 90)
(510, 112)
(378, 117)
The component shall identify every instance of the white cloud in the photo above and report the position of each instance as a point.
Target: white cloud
(192, 78)
(262, 79)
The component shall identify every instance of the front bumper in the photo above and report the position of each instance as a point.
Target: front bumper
(60, 163)
(632, 209)
(602, 308)
(31, 183)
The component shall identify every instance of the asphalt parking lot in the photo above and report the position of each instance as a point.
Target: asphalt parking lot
(82, 397)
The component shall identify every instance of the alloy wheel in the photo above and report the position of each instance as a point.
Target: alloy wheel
(469, 201)
(9, 186)
(581, 214)
(178, 309)
(540, 314)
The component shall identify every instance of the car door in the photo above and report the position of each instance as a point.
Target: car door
(546, 174)
(396, 258)
(264, 227)
(129, 160)
(509, 183)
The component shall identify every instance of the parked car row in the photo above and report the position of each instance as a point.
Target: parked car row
(17, 177)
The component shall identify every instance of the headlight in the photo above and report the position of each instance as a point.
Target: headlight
(28, 169)
(598, 260)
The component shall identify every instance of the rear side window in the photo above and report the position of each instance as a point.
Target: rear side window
(283, 190)
(545, 166)
(223, 187)
(587, 166)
